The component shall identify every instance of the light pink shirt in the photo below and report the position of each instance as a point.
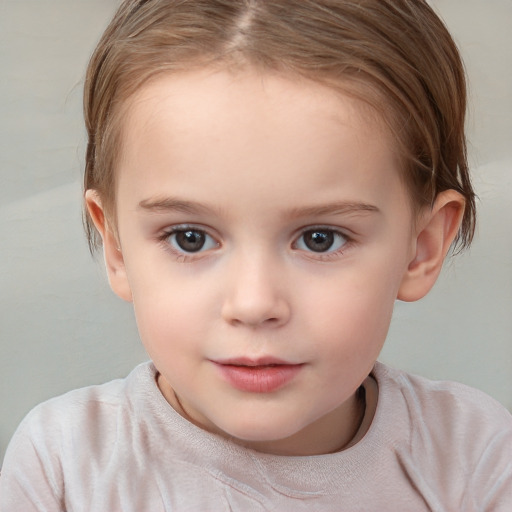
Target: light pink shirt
(432, 446)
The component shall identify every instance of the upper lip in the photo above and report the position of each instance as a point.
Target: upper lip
(247, 361)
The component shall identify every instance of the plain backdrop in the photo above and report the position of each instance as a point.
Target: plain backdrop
(61, 327)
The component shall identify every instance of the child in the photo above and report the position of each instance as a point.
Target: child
(267, 178)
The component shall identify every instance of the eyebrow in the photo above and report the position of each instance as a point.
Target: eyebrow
(337, 208)
(171, 204)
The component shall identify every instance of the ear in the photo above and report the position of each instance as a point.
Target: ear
(112, 253)
(436, 230)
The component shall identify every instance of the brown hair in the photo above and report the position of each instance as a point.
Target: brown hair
(396, 55)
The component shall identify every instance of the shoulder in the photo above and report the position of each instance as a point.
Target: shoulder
(448, 432)
(84, 407)
(68, 441)
(450, 403)
(73, 423)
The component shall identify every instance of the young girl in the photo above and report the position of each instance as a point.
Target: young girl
(266, 179)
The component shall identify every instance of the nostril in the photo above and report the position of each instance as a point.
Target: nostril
(271, 316)
(255, 322)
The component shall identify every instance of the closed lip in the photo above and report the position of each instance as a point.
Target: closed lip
(261, 361)
(261, 375)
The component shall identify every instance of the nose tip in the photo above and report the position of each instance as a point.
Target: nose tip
(254, 301)
(255, 313)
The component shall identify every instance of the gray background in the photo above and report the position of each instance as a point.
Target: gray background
(61, 327)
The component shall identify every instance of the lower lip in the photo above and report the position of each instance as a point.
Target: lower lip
(259, 379)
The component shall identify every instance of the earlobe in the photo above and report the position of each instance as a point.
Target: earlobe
(114, 261)
(437, 228)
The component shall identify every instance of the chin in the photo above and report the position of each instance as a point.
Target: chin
(257, 432)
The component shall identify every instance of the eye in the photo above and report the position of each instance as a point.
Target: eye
(190, 240)
(320, 240)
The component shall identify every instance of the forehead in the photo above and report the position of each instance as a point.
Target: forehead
(207, 126)
(209, 91)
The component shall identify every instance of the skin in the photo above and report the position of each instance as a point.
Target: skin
(253, 161)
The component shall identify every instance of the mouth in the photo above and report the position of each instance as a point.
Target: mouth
(264, 375)
(254, 363)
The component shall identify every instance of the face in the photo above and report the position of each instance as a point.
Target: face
(264, 233)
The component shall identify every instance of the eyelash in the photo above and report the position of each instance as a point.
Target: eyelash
(184, 256)
(329, 254)
(181, 255)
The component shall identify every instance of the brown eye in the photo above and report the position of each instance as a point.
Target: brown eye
(190, 240)
(320, 240)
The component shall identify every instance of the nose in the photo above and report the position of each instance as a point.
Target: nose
(255, 294)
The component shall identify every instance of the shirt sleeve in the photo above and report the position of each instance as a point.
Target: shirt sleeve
(31, 477)
(491, 482)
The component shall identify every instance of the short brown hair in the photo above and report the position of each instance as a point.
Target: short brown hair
(396, 55)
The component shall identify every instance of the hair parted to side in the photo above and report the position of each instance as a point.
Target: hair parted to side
(395, 55)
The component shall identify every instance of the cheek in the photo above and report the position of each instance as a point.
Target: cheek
(168, 312)
(358, 321)
(171, 333)
(349, 337)
(353, 310)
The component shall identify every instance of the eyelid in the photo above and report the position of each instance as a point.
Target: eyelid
(182, 255)
(329, 254)
(345, 233)
(184, 226)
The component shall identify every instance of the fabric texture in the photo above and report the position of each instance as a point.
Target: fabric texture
(120, 447)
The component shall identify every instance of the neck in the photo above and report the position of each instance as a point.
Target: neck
(334, 432)
(338, 430)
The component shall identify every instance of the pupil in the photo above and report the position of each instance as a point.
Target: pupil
(190, 241)
(319, 241)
